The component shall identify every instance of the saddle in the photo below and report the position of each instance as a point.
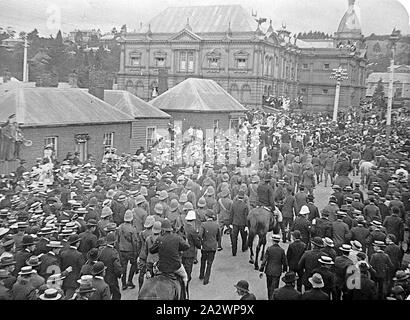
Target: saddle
(176, 279)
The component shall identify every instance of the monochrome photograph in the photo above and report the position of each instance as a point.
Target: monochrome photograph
(223, 151)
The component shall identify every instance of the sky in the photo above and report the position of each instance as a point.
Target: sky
(48, 16)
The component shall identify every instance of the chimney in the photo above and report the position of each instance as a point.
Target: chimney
(73, 80)
(6, 76)
(97, 83)
(97, 92)
(162, 80)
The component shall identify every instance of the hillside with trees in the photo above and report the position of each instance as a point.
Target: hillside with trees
(52, 60)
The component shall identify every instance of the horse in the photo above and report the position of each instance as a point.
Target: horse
(161, 287)
(260, 221)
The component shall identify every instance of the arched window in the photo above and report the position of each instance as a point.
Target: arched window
(270, 90)
(246, 94)
(154, 89)
(266, 65)
(269, 62)
(139, 89)
(272, 66)
(235, 91)
(129, 86)
(265, 91)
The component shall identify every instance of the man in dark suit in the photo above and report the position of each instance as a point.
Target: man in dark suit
(72, 257)
(394, 224)
(316, 293)
(287, 292)
(367, 289)
(168, 246)
(322, 227)
(313, 210)
(50, 262)
(382, 265)
(328, 276)
(21, 256)
(341, 264)
(303, 225)
(310, 261)
(360, 232)
(396, 256)
(192, 235)
(88, 238)
(238, 219)
(274, 263)
(41, 246)
(111, 259)
(293, 255)
(102, 289)
(210, 235)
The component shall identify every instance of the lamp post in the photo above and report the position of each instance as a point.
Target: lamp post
(25, 64)
(340, 75)
(394, 37)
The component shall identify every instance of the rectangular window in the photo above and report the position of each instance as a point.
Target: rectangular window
(182, 60)
(234, 124)
(305, 66)
(160, 62)
(190, 62)
(327, 66)
(241, 63)
(216, 124)
(135, 61)
(213, 62)
(303, 90)
(51, 141)
(109, 139)
(151, 136)
(186, 61)
(325, 91)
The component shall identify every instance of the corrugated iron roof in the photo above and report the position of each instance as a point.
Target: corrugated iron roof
(197, 95)
(203, 19)
(132, 105)
(54, 106)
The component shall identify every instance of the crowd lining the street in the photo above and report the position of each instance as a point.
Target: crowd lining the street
(74, 230)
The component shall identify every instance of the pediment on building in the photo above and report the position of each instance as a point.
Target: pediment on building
(185, 35)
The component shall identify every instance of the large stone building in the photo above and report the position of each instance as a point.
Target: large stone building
(222, 43)
(249, 59)
(320, 57)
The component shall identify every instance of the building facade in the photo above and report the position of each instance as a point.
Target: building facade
(222, 43)
(318, 59)
(226, 44)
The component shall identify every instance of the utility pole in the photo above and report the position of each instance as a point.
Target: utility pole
(340, 75)
(25, 65)
(394, 37)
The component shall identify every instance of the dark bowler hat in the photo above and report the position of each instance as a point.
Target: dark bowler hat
(27, 241)
(242, 285)
(98, 268)
(289, 277)
(318, 241)
(166, 225)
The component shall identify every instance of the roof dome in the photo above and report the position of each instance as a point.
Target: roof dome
(350, 22)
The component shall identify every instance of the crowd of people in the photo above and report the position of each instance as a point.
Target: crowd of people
(74, 230)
